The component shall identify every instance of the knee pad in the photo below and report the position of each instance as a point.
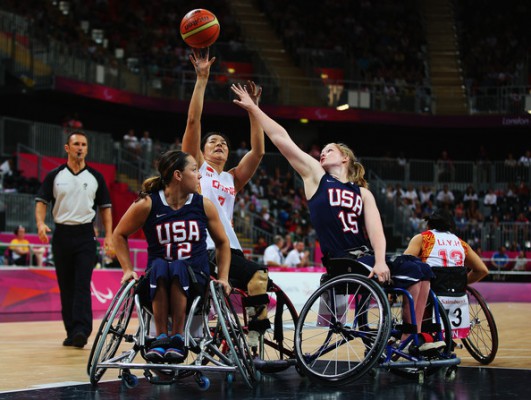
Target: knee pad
(257, 301)
(258, 283)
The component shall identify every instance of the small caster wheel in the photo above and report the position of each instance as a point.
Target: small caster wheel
(450, 373)
(229, 378)
(129, 380)
(203, 382)
(299, 371)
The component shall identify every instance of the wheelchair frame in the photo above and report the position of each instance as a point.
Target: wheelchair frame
(275, 351)
(220, 346)
(346, 329)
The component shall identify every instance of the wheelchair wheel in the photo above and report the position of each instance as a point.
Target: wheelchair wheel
(441, 330)
(482, 341)
(277, 347)
(235, 341)
(342, 330)
(112, 330)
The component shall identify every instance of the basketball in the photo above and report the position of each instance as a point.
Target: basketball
(200, 28)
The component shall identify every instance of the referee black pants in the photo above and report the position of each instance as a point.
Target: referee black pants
(74, 253)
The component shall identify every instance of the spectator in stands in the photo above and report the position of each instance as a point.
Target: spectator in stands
(525, 159)
(521, 262)
(510, 161)
(445, 197)
(74, 122)
(425, 195)
(344, 212)
(500, 259)
(221, 187)
(298, 256)
(8, 167)
(260, 246)
(446, 167)
(146, 149)
(410, 197)
(440, 247)
(288, 245)
(470, 197)
(491, 200)
(273, 256)
(19, 249)
(242, 149)
(176, 145)
(131, 143)
(74, 190)
(146, 144)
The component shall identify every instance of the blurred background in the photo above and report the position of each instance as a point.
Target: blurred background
(432, 95)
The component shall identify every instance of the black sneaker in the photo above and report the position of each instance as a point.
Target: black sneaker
(79, 340)
(68, 342)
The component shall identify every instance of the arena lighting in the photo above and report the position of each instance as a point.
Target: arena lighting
(303, 120)
(342, 107)
(231, 70)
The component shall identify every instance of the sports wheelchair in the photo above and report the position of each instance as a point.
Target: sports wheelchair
(213, 336)
(351, 326)
(470, 316)
(275, 351)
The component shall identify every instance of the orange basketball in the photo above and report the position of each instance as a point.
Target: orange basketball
(200, 28)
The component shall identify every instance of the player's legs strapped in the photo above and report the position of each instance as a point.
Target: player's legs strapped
(257, 301)
(252, 278)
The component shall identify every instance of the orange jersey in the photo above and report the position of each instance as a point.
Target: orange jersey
(443, 249)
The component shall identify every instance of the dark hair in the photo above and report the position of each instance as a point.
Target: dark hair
(168, 163)
(17, 229)
(441, 220)
(205, 138)
(72, 133)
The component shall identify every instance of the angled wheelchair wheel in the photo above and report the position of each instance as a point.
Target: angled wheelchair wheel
(342, 330)
(437, 324)
(235, 342)
(112, 330)
(276, 348)
(482, 341)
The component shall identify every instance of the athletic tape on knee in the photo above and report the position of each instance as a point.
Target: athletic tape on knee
(258, 286)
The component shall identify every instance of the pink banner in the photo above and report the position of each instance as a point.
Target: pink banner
(34, 290)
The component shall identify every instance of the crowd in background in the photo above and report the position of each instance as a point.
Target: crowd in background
(379, 42)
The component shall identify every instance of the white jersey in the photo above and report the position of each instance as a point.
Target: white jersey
(219, 188)
(443, 249)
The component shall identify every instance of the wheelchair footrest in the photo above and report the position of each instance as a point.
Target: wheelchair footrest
(421, 363)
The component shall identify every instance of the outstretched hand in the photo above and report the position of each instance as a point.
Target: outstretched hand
(200, 61)
(254, 90)
(244, 99)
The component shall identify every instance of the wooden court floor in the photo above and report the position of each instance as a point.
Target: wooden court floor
(32, 355)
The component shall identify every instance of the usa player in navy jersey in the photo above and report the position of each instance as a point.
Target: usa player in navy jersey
(175, 220)
(343, 211)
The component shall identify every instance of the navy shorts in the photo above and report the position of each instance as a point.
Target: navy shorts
(406, 270)
(166, 271)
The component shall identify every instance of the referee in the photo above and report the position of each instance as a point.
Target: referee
(74, 190)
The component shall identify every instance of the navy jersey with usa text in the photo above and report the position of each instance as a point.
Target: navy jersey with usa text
(176, 234)
(336, 211)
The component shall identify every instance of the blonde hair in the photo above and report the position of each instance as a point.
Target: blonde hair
(355, 170)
